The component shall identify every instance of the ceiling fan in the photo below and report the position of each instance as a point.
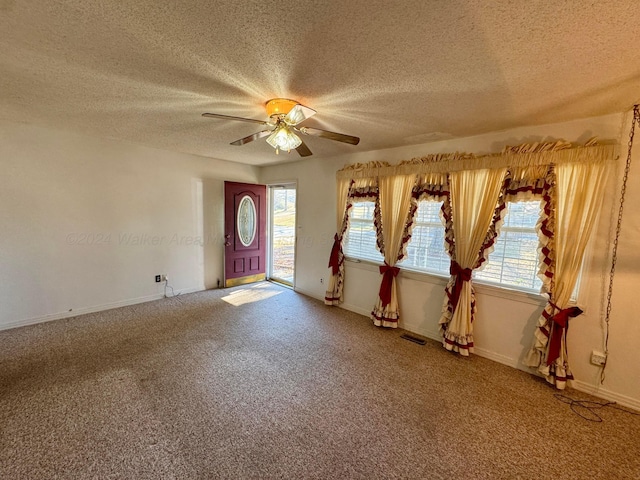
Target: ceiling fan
(285, 116)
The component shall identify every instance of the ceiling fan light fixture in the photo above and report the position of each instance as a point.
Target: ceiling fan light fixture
(285, 117)
(284, 139)
(279, 106)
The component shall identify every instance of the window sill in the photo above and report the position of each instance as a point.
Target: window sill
(435, 279)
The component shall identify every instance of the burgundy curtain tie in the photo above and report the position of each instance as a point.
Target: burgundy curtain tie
(388, 274)
(560, 322)
(334, 261)
(462, 275)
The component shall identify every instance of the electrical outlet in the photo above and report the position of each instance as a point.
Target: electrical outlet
(598, 358)
(158, 278)
(322, 280)
(164, 277)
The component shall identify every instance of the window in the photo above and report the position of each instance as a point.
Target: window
(425, 250)
(513, 263)
(360, 240)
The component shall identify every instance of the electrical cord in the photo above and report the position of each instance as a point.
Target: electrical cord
(590, 406)
(173, 294)
(614, 254)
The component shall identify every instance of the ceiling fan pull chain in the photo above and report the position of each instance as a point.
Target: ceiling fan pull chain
(614, 254)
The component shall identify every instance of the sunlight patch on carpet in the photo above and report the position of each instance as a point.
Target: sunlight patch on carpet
(252, 294)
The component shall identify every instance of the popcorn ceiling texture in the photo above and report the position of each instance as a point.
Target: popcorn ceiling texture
(392, 73)
(261, 382)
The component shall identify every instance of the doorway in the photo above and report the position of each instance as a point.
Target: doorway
(282, 231)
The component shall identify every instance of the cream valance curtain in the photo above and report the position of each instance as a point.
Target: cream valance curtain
(568, 179)
(527, 155)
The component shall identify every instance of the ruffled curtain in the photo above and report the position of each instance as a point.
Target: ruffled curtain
(348, 191)
(474, 192)
(394, 199)
(526, 183)
(488, 245)
(430, 187)
(474, 195)
(334, 293)
(570, 210)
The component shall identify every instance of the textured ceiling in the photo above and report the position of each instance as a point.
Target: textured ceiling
(391, 72)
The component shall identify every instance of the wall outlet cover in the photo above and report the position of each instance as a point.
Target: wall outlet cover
(598, 358)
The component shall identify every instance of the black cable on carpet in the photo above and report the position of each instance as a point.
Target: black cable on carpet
(580, 407)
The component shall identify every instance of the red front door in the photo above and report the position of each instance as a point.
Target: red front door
(245, 213)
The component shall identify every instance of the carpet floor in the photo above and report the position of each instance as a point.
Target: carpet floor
(261, 382)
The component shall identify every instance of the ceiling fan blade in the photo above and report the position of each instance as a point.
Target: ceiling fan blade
(303, 150)
(339, 137)
(228, 117)
(299, 114)
(251, 138)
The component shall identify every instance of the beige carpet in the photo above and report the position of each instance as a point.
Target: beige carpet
(260, 382)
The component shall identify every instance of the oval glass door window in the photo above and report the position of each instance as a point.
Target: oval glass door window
(246, 221)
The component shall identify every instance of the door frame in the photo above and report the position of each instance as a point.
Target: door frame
(270, 187)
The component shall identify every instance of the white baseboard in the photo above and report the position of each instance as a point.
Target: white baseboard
(354, 309)
(579, 385)
(496, 357)
(605, 394)
(96, 308)
(481, 352)
(346, 306)
(432, 334)
(308, 294)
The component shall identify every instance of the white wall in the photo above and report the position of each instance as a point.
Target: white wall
(86, 223)
(506, 321)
